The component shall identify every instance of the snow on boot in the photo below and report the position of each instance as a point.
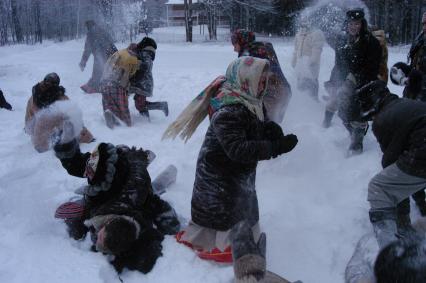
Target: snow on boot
(404, 228)
(357, 137)
(384, 225)
(88, 89)
(328, 116)
(164, 180)
(110, 119)
(159, 105)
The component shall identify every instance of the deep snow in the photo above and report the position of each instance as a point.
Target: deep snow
(312, 201)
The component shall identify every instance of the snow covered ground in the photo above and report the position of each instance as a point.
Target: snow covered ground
(312, 201)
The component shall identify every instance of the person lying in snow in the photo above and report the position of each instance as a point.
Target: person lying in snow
(368, 266)
(39, 123)
(125, 217)
(3, 103)
(237, 138)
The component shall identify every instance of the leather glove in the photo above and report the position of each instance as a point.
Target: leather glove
(284, 145)
(273, 131)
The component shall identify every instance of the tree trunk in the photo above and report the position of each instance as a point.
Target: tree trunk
(188, 20)
(18, 30)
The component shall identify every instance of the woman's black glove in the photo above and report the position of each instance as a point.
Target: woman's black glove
(284, 145)
(273, 131)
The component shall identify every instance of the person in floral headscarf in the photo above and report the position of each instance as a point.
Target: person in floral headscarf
(237, 138)
(279, 91)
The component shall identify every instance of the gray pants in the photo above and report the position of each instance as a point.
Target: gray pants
(390, 186)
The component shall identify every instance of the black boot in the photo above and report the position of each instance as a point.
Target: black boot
(328, 116)
(3, 103)
(420, 199)
(159, 105)
(145, 113)
(357, 137)
(384, 225)
(404, 228)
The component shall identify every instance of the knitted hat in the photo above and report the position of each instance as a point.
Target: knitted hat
(52, 78)
(100, 167)
(147, 43)
(355, 14)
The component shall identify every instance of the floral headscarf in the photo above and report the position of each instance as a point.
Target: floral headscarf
(243, 38)
(240, 85)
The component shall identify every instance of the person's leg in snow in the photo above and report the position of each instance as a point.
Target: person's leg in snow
(115, 99)
(143, 106)
(385, 190)
(74, 213)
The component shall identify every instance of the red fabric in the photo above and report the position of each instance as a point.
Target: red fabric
(115, 99)
(140, 102)
(215, 254)
(70, 210)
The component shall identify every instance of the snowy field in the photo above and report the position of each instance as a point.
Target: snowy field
(312, 201)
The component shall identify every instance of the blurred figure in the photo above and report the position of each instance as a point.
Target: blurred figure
(3, 103)
(366, 259)
(130, 71)
(413, 76)
(99, 44)
(357, 62)
(381, 37)
(306, 60)
(40, 124)
(279, 91)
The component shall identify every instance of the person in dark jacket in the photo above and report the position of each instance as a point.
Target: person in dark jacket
(101, 45)
(279, 90)
(119, 208)
(357, 62)
(399, 125)
(130, 71)
(3, 103)
(237, 138)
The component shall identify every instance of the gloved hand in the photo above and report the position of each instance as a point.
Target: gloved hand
(284, 145)
(3, 103)
(273, 131)
(82, 65)
(64, 135)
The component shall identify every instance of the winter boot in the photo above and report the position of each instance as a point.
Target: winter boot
(357, 137)
(404, 228)
(159, 105)
(384, 225)
(419, 198)
(145, 113)
(110, 119)
(88, 89)
(249, 256)
(164, 180)
(3, 103)
(328, 116)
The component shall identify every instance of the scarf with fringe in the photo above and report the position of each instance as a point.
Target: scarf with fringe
(239, 86)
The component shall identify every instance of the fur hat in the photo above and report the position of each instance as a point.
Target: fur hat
(399, 73)
(355, 14)
(120, 233)
(147, 43)
(100, 167)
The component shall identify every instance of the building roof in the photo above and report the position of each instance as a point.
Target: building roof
(170, 2)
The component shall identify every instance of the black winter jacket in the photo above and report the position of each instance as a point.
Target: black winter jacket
(400, 129)
(361, 58)
(131, 195)
(224, 189)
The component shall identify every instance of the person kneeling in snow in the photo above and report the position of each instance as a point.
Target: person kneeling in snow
(3, 103)
(399, 125)
(119, 208)
(40, 118)
(237, 138)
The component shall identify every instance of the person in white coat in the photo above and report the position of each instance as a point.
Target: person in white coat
(308, 46)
